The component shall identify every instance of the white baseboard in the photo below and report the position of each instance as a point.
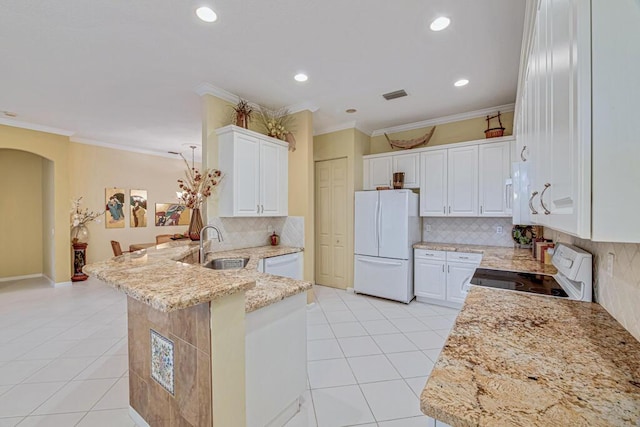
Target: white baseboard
(350, 291)
(311, 305)
(61, 284)
(26, 276)
(137, 418)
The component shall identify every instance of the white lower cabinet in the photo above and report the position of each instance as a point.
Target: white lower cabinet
(443, 277)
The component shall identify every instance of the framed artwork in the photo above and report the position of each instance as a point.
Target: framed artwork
(172, 214)
(138, 207)
(114, 204)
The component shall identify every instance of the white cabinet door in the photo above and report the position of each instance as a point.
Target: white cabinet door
(433, 183)
(463, 181)
(246, 174)
(273, 179)
(380, 172)
(495, 166)
(459, 276)
(410, 165)
(430, 279)
(256, 174)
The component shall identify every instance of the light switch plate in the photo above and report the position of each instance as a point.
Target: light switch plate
(427, 227)
(499, 229)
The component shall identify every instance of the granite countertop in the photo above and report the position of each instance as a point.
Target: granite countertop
(496, 257)
(167, 277)
(519, 359)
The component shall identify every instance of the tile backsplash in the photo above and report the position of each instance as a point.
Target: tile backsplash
(619, 293)
(470, 231)
(249, 232)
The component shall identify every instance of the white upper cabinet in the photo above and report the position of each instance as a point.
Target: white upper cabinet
(495, 168)
(462, 181)
(577, 117)
(255, 169)
(433, 183)
(377, 172)
(410, 165)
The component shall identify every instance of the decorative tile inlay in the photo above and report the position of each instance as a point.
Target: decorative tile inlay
(162, 361)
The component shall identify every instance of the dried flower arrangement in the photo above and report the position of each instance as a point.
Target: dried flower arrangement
(80, 217)
(242, 113)
(198, 185)
(278, 124)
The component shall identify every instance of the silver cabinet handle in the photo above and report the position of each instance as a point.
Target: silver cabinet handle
(524, 159)
(449, 209)
(261, 208)
(444, 210)
(533, 210)
(257, 208)
(546, 211)
(480, 209)
(463, 257)
(448, 269)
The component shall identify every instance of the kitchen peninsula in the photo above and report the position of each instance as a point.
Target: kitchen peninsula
(194, 332)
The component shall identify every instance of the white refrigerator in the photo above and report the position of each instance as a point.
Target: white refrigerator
(386, 227)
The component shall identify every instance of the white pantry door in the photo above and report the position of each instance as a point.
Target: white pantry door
(331, 223)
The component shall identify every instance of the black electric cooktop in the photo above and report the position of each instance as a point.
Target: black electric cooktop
(523, 282)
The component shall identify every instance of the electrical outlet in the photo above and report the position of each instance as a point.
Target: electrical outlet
(610, 259)
(427, 227)
(499, 229)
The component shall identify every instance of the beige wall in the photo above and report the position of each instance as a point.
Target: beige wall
(48, 219)
(96, 168)
(447, 133)
(350, 144)
(302, 186)
(21, 214)
(56, 149)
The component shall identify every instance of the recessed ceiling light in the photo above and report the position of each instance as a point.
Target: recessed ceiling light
(301, 77)
(461, 82)
(206, 14)
(440, 23)
(350, 110)
(9, 114)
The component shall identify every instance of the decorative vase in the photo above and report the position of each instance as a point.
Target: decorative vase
(195, 226)
(79, 234)
(242, 120)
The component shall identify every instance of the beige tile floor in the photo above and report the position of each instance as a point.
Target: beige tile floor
(63, 357)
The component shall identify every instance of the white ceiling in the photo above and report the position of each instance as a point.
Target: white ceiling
(125, 72)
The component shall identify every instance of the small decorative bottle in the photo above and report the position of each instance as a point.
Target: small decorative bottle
(275, 239)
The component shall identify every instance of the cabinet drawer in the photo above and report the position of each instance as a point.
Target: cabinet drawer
(429, 254)
(464, 257)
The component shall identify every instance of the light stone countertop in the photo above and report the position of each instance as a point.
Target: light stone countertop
(167, 277)
(527, 360)
(496, 257)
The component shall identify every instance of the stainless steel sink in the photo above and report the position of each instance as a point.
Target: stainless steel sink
(227, 263)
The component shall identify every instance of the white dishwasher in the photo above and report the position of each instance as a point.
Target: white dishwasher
(289, 265)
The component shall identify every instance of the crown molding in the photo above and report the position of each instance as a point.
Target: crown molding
(303, 106)
(34, 126)
(87, 141)
(446, 119)
(209, 89)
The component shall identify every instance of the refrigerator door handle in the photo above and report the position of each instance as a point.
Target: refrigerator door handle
(380, 226)
(377, 224)
(380, 262)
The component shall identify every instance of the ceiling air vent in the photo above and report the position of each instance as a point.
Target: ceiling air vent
(393, 95)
